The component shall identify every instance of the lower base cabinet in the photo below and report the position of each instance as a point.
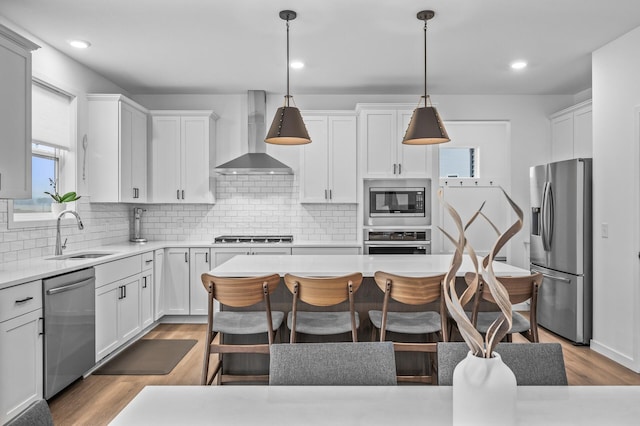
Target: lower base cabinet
(21, 370)
(118, 303)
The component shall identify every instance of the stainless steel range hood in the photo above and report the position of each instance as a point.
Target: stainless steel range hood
(256, 161)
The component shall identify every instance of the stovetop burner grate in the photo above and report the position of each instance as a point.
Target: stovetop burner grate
(259, 239)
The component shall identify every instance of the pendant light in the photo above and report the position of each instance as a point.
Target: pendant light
(287, 127)
(425, 127)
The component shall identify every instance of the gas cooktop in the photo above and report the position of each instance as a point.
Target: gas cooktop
(260, 239)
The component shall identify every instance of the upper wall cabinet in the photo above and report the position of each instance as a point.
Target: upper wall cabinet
(181, 151)
(328, 172)
(15, 115)
(382, 154)
(572, 133)
(117, 149)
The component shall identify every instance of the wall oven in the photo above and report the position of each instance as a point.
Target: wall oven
(380, 241)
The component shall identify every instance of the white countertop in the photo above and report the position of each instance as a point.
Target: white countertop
(13, 273)
(332, 265)
(368, 405)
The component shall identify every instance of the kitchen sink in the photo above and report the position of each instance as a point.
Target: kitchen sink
(82, 255)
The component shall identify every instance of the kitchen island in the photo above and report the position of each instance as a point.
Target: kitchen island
(368, 297)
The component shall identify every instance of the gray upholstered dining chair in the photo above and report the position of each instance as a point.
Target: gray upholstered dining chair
(36, 414)
(540, 364)
(343, 363)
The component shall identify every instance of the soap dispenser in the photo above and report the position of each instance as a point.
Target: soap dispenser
(137, 215)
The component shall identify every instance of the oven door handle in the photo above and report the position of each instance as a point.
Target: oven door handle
(396, 243)
(70, 287)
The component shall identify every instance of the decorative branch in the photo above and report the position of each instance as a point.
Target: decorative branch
(455, 304)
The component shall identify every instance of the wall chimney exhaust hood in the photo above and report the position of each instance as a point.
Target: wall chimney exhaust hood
(256, 161)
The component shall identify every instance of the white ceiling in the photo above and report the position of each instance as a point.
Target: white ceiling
(348, 46)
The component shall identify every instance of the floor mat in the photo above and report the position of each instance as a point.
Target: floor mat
(148, 357)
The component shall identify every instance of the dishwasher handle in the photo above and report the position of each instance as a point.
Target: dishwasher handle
(70, 287)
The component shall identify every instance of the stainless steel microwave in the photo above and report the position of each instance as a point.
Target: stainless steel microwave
(396, 202)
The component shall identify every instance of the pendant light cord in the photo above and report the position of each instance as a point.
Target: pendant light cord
(425, 62)
(288, 97)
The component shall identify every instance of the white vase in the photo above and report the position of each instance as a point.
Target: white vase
(57, 208)
(484, 392)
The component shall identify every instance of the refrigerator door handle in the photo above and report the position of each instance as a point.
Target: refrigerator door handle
(547, 217)
(553, 277)
(543, 214)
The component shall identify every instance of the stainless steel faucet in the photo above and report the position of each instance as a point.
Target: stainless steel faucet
(59, 245)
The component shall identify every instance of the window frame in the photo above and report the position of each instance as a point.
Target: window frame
(66, 168)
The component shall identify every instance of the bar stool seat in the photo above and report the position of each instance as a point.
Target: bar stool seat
(251, 322)
(408, 322)
(322, 323)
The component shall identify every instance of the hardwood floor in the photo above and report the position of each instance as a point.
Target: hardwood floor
(96, 400)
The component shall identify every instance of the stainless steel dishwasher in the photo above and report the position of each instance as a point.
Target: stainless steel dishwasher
(69, 328)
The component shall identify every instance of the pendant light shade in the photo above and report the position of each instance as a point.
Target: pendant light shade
(425, 127)
(288, 127)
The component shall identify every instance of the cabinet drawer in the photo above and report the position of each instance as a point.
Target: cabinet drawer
(147, 261)
(20, 299)
(118, 269)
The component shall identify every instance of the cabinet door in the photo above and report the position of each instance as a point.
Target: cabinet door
(412, 159)
(158, 283)
(379, 152)
(138, 162)
(221, 255)
(199, 264)
(583, 132)
(165, 159)
(106, 319)
(342, 165)
(195, 165)
(129, 308)
(15, 121)
(562, 137)
(176, 281)
(146, 299)
(20, 364)
(271, 250)
(314, 181)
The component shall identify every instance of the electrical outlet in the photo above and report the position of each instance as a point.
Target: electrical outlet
(604, 230)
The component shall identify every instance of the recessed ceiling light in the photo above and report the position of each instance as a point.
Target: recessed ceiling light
(79, 44)
(296, 65)
(519, 65)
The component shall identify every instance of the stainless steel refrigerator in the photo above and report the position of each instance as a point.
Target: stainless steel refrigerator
(561, 246)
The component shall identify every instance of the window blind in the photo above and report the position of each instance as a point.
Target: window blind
(51, 124)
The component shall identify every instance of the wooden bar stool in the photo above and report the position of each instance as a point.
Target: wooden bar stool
(239, 293)
(323, 292)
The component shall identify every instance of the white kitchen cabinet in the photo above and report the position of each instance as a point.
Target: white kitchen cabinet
(158, 283)
(382, 153)
(182, 151)
(199, 263)
(572, 133)
(15, 114)
(325, 250)
(147, 291)
(328, 165)
(118, 293)
(117, 149)
(176, 281)
(21, 350)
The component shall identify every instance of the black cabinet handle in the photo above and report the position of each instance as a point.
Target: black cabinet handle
(26, 299)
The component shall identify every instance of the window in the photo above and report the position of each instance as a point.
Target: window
(53, 123)
(458, 162)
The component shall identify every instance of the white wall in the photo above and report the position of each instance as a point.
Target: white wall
(616, 95)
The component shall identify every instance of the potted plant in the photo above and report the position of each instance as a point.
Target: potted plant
(60, 201)
(484, 388)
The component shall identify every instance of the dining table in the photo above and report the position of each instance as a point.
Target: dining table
(369, 405)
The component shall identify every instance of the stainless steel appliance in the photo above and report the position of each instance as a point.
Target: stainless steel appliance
(397, 202)
(137, 235)
(380, 241)
(69, 324)
(561, 246)
(260, 239)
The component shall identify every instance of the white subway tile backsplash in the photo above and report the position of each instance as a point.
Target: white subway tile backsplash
(244, 205)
